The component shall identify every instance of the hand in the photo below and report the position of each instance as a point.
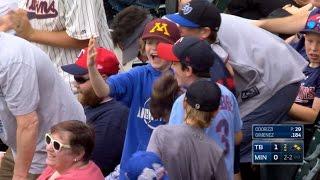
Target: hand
(22, 25)
(6, 23)
(92, 53)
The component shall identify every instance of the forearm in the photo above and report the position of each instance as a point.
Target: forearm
(100, 87)
(288, 25)
(303, 113)
(57, 39)
(238, 138)
(26, 143)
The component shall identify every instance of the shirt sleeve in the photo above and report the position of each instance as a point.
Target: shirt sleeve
(82, 18)
(154, 143)
(122, 86)
(19, 85)
(177, 112)
(221, 171)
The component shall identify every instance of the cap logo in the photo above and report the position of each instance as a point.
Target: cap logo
(99, 66)
(160, 27)
(197, 106)
(186, 9)
(81, 53)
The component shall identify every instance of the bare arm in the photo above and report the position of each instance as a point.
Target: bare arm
(27, 132)
(305, 114)
(287, 25)
(100, 87)
(238, 138)
(24, 29)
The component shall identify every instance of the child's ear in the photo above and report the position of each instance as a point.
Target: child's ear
(205, 32)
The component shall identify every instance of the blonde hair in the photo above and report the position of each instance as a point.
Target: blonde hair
(199, 119)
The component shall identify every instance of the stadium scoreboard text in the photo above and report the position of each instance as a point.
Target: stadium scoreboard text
(277, 144)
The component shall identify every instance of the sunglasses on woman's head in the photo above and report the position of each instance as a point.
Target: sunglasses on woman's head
(80, 79)
(57, 146)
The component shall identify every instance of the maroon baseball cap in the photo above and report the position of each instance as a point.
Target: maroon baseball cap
(106, 63)
(161, 29)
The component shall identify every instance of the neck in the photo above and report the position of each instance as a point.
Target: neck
(191, 123)
(75, 165)
(314, 65)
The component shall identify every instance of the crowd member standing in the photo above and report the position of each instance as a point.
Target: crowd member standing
(183, 156)
(33, 98)
(62, 28)
(191, 60)
(265, 90)
(107, 116)
(134, 87)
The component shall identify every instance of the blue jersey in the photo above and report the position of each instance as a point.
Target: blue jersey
(223, 127)
(310, 87)
(134, 89)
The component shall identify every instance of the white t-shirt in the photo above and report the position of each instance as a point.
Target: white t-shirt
(29, 82)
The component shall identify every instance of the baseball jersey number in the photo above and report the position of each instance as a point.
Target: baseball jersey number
(222, 129)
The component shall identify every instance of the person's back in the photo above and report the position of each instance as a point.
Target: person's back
(188, 153)
(269, 64)
(30, 83)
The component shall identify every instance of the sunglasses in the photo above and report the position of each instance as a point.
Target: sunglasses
(80, 79)
(57, 146)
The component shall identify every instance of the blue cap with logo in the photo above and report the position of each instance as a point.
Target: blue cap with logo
(144, 165)
(312, 25)
(196, 14)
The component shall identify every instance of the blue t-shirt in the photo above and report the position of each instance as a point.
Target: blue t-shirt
(134, 89)
(310, 87)
(109, 121)
(223, 127)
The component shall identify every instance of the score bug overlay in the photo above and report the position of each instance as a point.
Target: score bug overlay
(277, 144)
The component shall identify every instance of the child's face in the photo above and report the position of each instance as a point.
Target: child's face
(312, 45)
(152, 54)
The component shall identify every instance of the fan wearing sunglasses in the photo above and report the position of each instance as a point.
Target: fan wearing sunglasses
(69, 146)
(107, 116)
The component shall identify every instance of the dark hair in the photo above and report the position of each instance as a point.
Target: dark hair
(126, 21)
(81, 136)
(202, 74)
(164, 93)
(212, 37)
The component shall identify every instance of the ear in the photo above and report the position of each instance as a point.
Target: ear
(205, 32)
(188, 72)
(79, 155)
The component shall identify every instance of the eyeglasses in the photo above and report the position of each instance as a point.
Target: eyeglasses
(57, 146)
(80, 79)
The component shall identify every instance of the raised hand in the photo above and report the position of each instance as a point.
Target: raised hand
(92, 52)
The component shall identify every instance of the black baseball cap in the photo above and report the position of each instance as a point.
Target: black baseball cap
(203, 95)
(196, 14)
(189, 50)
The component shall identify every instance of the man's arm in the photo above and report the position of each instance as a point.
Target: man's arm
(100, 87)
(24, 30)
(27, 132)
(287, 25)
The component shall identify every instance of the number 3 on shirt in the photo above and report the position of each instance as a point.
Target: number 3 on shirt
(222, 129)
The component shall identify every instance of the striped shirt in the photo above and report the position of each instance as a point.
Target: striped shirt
(81, 19)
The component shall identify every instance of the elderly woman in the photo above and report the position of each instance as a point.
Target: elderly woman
(69, 146)
(185, 150)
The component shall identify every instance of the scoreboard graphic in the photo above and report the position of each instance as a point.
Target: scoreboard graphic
(277, 144)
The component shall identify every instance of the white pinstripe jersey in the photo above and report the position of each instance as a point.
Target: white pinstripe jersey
(81, 19)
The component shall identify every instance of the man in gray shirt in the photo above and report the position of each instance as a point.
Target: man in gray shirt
(33, 97)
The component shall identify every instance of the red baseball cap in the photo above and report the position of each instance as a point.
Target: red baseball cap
(106, 63)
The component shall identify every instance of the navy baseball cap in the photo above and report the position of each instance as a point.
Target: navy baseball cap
(144, 165)
(189, 50)
(196, 14)
(312, 25)
(208, 101)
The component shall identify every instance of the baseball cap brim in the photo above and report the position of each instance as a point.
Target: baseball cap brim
(165, 52)
(309, 31)
(74, 69)
(178, 19)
